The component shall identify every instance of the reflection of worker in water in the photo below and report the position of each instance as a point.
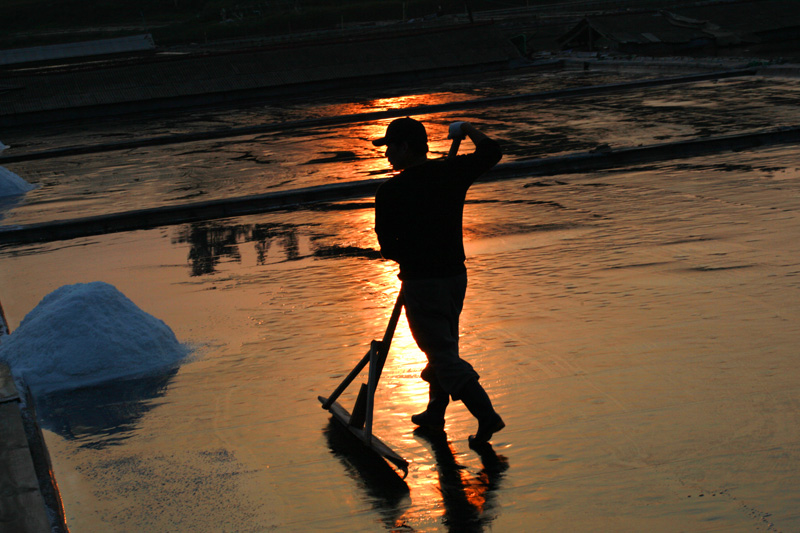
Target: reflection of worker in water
(418, 221)
(468, 497)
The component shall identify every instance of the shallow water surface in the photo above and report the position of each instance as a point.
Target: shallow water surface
(137, 178)
(637, 330)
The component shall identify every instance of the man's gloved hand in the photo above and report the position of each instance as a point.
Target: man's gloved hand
(455, 131)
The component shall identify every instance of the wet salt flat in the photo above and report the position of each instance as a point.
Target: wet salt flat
(636, 328)
(100, 183)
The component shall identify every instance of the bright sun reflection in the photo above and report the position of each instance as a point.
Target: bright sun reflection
(374, 162)
(409, 394)
(401, 391)
(397, 102)
(405, 361)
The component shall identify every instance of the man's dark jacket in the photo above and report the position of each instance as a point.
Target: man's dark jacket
(418, 213)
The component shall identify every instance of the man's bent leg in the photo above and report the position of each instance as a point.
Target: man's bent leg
(478, 403)
(432, 308)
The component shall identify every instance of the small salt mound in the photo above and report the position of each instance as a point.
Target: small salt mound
(86, 334)
(13, 185)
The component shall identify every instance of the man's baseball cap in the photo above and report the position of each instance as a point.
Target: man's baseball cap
(403, 130)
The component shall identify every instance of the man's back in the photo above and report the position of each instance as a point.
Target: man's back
(418, 213)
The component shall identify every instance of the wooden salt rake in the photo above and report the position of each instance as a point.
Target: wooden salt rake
(359, 423)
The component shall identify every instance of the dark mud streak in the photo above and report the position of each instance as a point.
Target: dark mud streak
(715, 269)
(517, 202)
(638, 265)
(688, 241)
(343, 156)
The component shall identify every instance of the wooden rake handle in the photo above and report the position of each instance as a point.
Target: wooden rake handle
(382, 350)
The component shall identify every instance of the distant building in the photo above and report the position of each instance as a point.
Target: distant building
(708, 29)
(641, 33)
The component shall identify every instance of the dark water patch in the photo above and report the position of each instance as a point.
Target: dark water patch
(642, 168)
(280, 184)
(336, 250)
(189, 196)
(730, 167)
(341, 206)
(770, 170)
(715, 167)
(637, 265)
(338, 156)
(249, 156)
(115, 135)
(544, 183)
(194, 152)
(715, 269)
(517, 202)
(501, 230)
(376, 172)
(707, 132)
(220, 146)
(780, 100)
(688, 240)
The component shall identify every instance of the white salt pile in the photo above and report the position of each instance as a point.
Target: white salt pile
(10, 183)
(86, 334)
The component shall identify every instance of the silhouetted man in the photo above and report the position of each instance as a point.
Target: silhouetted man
(418, 216)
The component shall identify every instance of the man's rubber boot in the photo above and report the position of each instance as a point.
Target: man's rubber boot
(478, 403)
(433, 416)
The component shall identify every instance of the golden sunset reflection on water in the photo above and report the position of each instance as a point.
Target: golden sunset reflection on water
(400, 383)
(397, 102)
(632, 326)
(371, 160)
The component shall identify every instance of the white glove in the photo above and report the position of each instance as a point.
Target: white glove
(455, 131)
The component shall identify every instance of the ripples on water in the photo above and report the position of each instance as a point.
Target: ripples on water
(602, 309)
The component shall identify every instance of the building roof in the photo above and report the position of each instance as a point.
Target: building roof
(723, 23)
(638, 28)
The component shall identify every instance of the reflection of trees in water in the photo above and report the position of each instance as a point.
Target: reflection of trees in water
(264, 236)
(212, 241)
